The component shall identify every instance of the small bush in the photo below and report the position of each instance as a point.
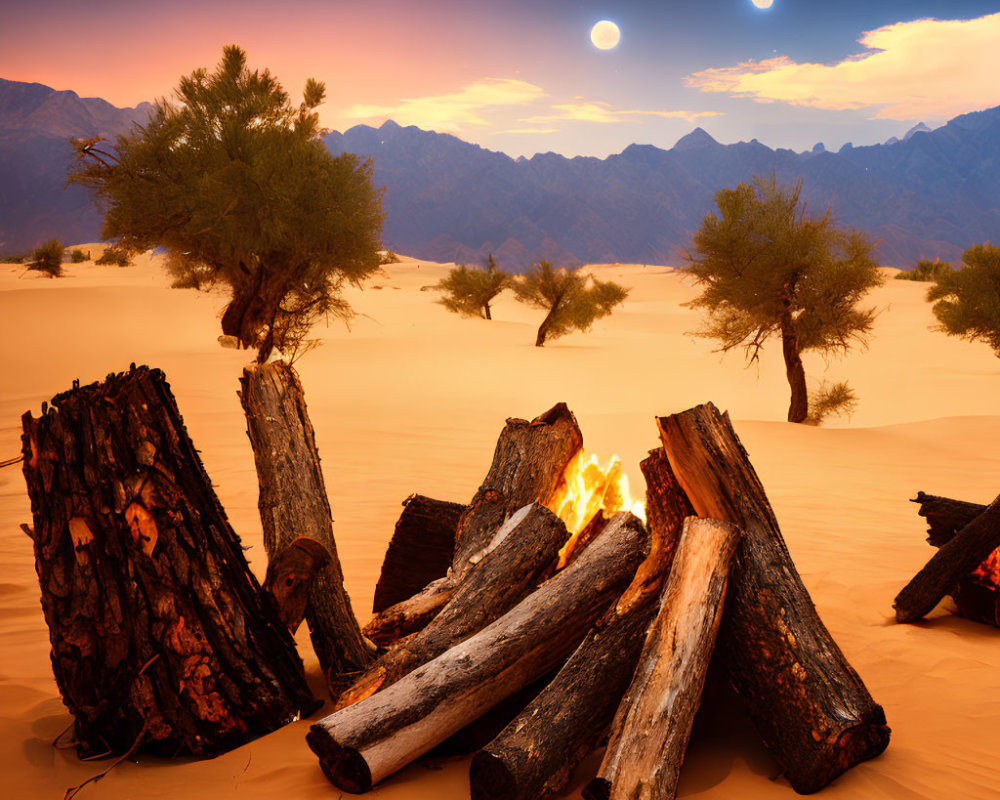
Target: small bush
(77, 256)
(115, 257)
(829, 400)
(13, 259)
(387, 257)
(926, 271)
(48, 258)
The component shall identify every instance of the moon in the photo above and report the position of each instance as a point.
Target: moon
(763, 3)
(605, 34)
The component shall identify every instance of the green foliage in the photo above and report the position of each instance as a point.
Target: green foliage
(234, 182)
(968, 300)
(769, 270)
(831, 400)
(48, 258)
(469, 291)
(926, 271)
(77, 256)
(572, 300)
(115, 256)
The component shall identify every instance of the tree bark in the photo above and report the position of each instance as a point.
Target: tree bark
(509, 570)
(951, 563)
(290, 577)
(810, 707)
(798, 408)
(293, 504)
(420, 551)
(945, 517)
(360, 745)
(410, 615)
(160, 634)
(535, 755)
(528, 466)
(651, 729)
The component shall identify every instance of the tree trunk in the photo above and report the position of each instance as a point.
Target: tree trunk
(534, 756)
(528, 466)
(360, 745)
(486, 310)
(508, 571)
(945, 517)
(293, 503)
(951, 563)
(810, 707)
(798, 409)
(651, 729)
(160, 634)
(420, 552)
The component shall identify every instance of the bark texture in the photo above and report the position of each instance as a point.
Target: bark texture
(159, 631)
(508, 570)
(360, 745)
(293, 504)
(651, 729)
(945, 516)
(810, 707)
(410, 615)
(421, 549)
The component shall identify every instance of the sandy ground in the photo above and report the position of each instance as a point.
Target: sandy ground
(411, 398)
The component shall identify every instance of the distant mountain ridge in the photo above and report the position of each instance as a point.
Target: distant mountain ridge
(930, 195)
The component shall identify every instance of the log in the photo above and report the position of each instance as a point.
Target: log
(952, 562)
(653, 724)
(293, 504)
(508, 570)
(528, 466)
(945, 517)
(360, 745)
(411, 615)
(809, 706)
(420, 552)
(161, 638)
(290, 576)
(534, 757)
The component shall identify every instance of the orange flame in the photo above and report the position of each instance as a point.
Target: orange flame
(588, 488)
(988, 573)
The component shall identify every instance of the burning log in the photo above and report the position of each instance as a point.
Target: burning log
(810, 707)
(506, 572)
(653, 724)
(293, 504)
(360, 745)
(420, 551)
(161, 637)
(534, 756)
(976, 595)
(953, 561)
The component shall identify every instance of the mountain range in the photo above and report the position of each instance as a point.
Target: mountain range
(931, 194)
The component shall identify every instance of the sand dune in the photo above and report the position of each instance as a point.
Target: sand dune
(411, 398)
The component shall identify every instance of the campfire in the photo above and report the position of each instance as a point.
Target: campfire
(551, 614)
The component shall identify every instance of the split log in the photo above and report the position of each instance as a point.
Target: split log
(535, 755)
(420, 552)
(411, 615)
(506, 572)
(951, 563)
(810, 707)
(528, 466)
(945, 517)
(363, 743)
(160, 634)
(293, 504)
(651, 729)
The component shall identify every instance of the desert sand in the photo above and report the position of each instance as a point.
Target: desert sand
(411, 398)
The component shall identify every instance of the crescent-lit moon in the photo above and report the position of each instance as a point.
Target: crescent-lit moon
(763, 3)
(605, 34)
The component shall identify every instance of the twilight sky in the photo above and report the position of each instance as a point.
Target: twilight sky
(522, 76)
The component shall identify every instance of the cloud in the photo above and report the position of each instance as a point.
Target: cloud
(606, 113)
(449, 112)
(927, 68)
(523, 130)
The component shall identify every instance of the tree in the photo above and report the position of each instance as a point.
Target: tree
(469, 291)
(572, 300)
(968, 300)
(234, 181)
(48, 258)
(771, 270)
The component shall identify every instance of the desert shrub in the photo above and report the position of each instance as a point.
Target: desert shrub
(572, 301)
(967, 301)
(772, 272)
(17, 259)
(387, 257)
(469, 291)
(77, 256)
(926, 271)
(48, 258)
(115, 256)
(830, 400)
